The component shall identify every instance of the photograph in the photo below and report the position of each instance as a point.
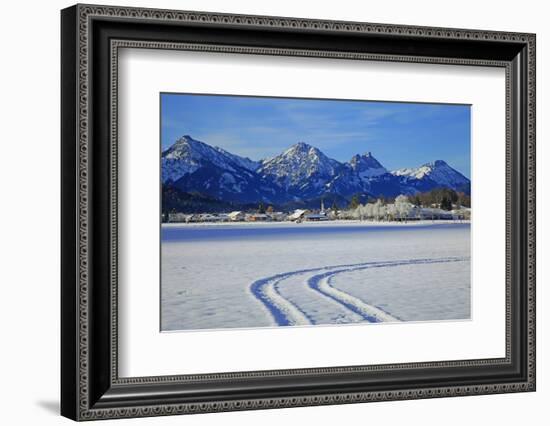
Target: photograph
(299, 212)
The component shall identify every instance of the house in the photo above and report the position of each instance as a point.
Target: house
(257, 217)
(207, 217)
(223, 217)
(435, 213)
(298, 215)
(414, 213)
(236, 216)
(315, 217)
(463, 213)
(277, 216)
(318, 216)
(192, 218)
(177, 217)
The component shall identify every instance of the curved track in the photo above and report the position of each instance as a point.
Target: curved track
(286, 312)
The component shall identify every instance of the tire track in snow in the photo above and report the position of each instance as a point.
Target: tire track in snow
(371, 313)
(285, 312)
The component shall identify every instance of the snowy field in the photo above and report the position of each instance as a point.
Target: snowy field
(280, 274)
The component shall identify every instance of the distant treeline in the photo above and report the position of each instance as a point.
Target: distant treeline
(442, 198)
(174, 200)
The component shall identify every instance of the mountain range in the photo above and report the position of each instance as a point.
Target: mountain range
(301, 176)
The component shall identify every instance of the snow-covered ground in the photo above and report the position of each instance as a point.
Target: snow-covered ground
(279, 274)
(339, 222)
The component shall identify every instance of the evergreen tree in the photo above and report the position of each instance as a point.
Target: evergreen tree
(446, 203)
(464, 200)
(416, 200)
(261, 208)
(354, 203)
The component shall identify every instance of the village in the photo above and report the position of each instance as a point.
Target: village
(400, 210)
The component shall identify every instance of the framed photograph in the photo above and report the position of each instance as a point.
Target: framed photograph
(264, 212)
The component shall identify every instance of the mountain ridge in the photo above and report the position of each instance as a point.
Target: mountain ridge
(297, 175)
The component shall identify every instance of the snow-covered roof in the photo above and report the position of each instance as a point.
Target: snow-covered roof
(297, 213)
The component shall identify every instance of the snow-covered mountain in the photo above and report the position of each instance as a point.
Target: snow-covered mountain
(300, 174)
(364, 174)
(302, 170)
(195, 167)
(366, 166)
(435, 174)
(187, 155)
(244, 162)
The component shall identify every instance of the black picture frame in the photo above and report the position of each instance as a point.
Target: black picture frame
(90, 386)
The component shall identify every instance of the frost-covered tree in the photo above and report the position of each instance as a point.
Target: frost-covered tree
(369, 210)
(379, 210)
(403, 206)
(362, 212)
(391, 211)
(383, 212)
(356, 212)
(401, 199)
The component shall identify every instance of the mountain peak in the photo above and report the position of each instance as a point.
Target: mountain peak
(366, 166)
(188, 155)
(183, 142)
(185, 138)
(175, 149)
(300, 147)
(366, 155)
(302, 172)
(437, 171)
(301, 168)
(436, 163)
(302, 151)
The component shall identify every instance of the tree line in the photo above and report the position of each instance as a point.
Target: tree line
(443, 198)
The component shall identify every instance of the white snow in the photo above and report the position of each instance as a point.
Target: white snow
(244, 162)
(366, 166)
(417, 173)
(295, 167)
(187, 155)
(267, 274)
(433, 291)
(173, 169)
(228, 182)
(370, 173)
(438, 171)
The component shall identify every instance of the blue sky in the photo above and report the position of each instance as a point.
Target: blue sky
(398, 134)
